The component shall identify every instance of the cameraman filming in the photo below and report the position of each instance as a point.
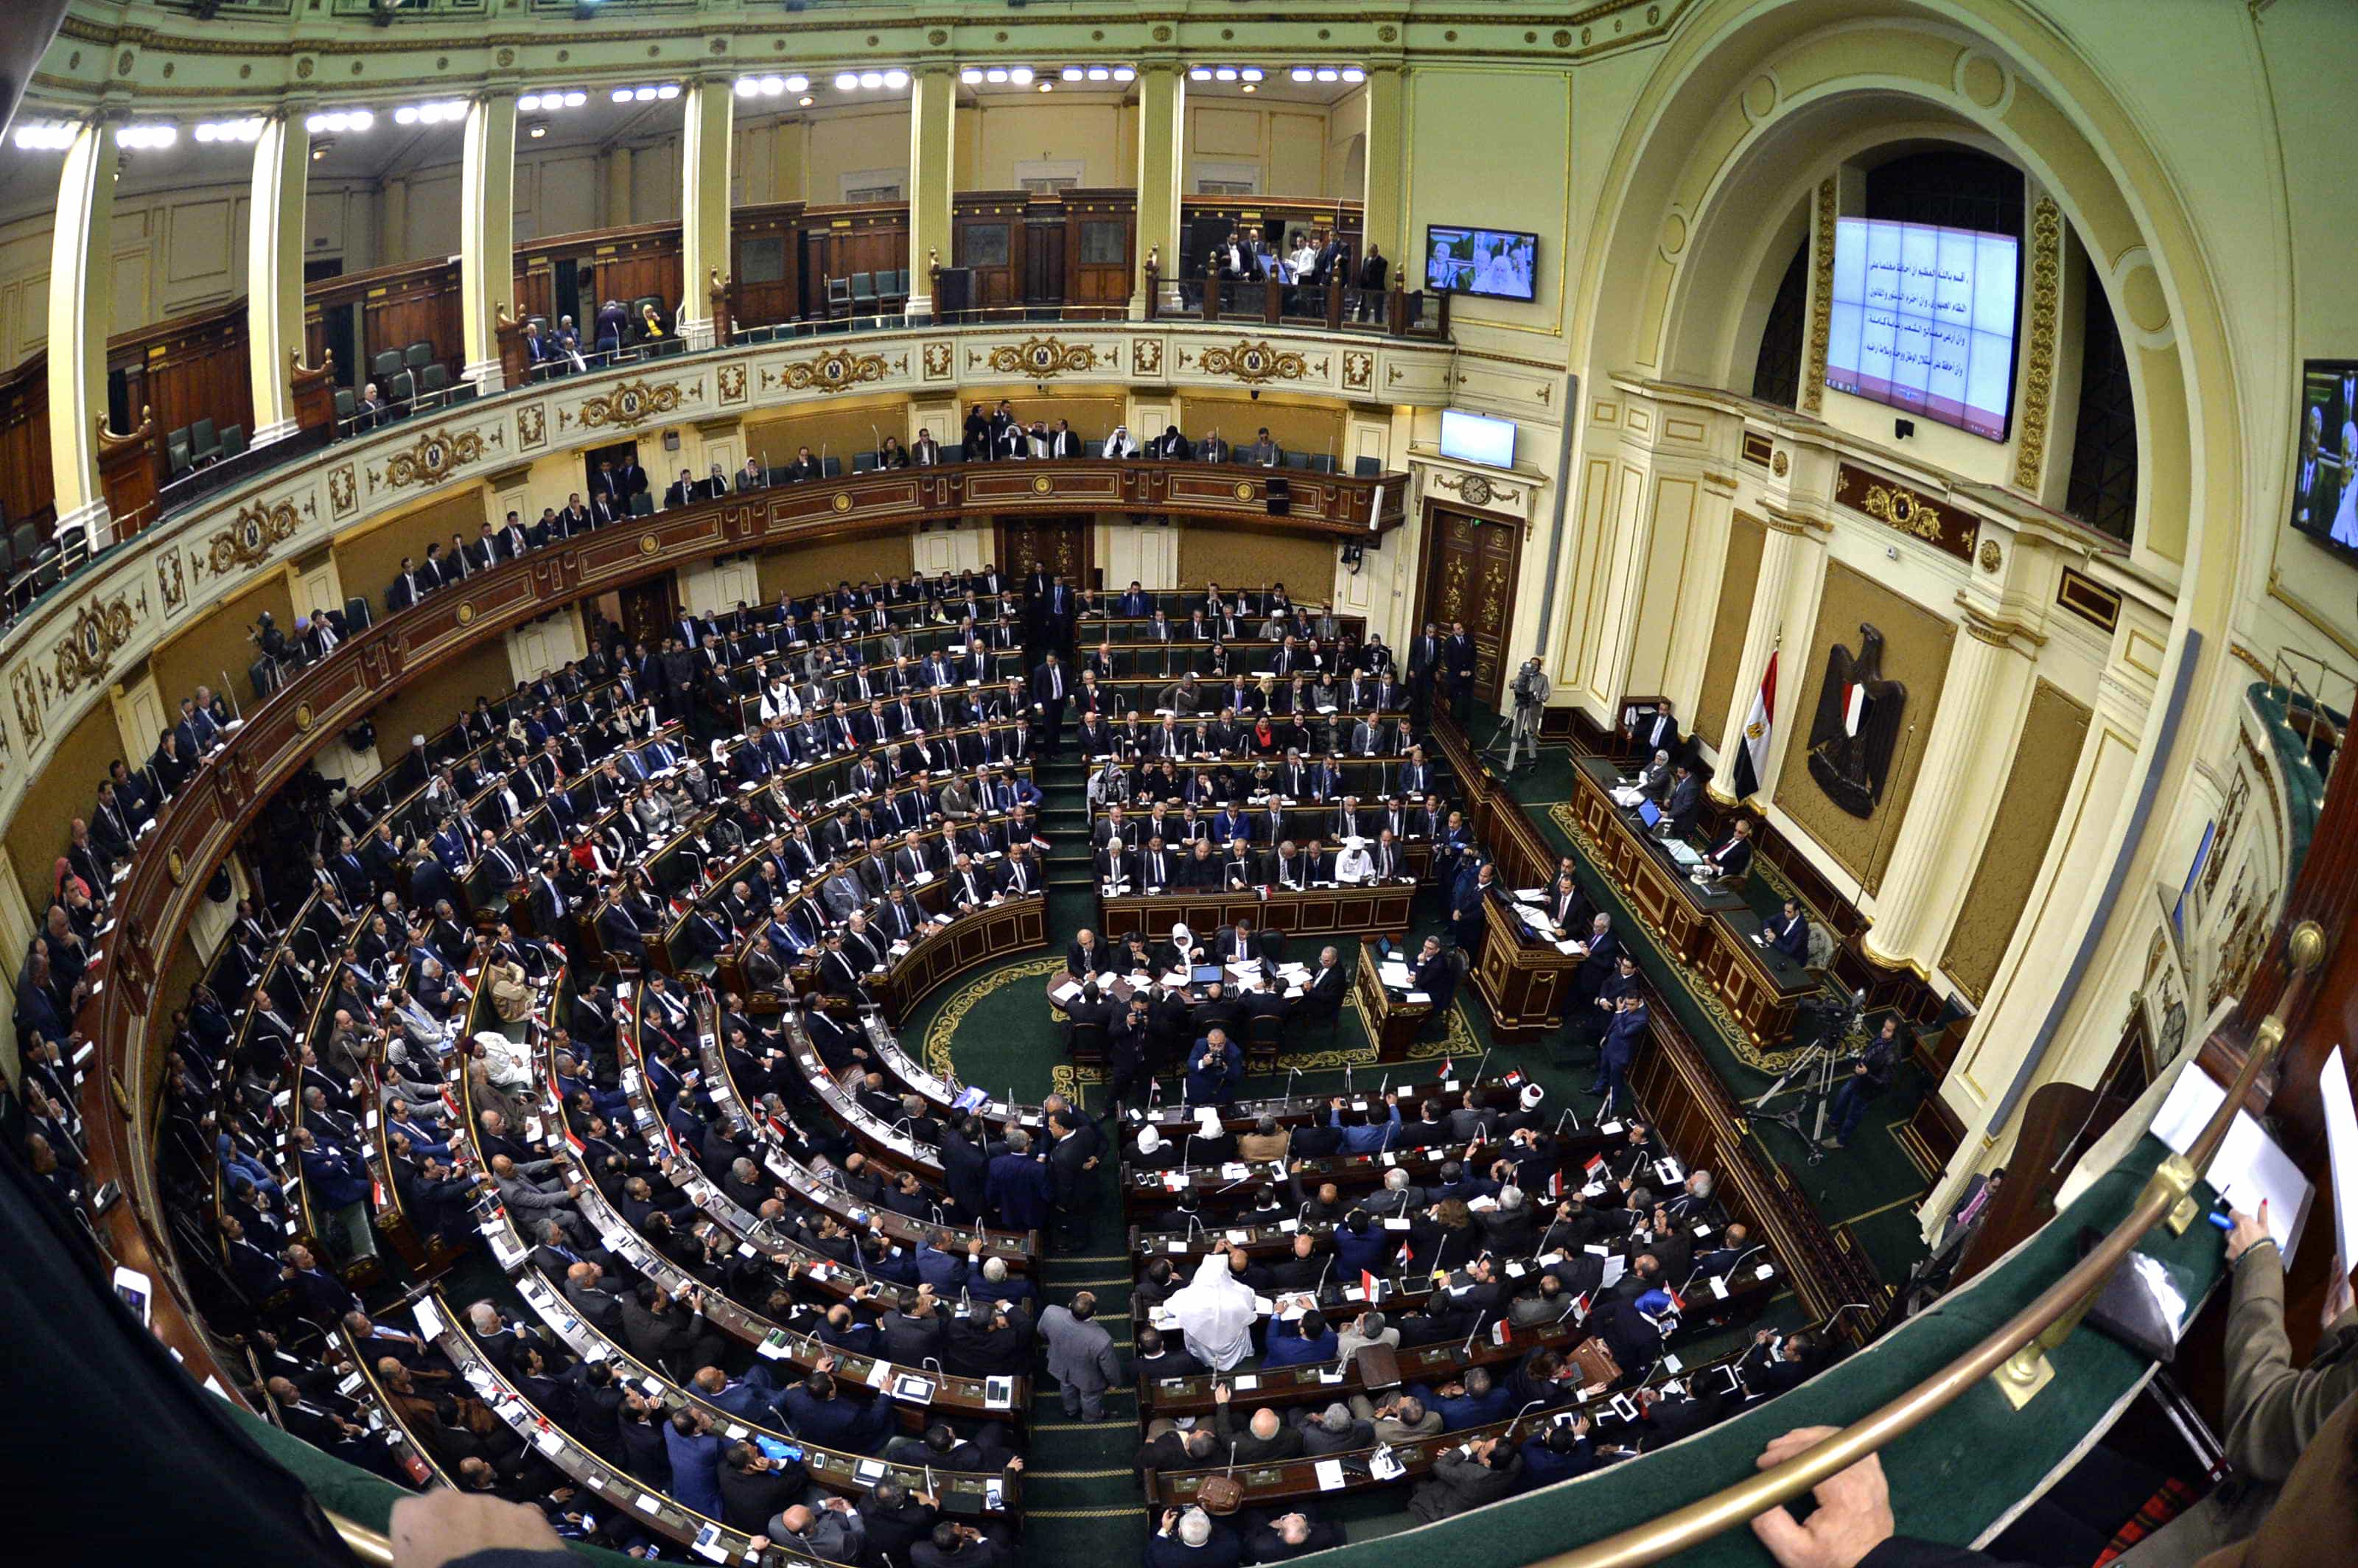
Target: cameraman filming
(1531, 691)
(1869, 1077)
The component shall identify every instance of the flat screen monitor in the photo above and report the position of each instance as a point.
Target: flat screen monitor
(2325, 466)
(1477, 439)
(1923, 318)
(1497, 264)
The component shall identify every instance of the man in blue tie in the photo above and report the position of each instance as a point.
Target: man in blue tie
(1790, 934)
(1048, 690)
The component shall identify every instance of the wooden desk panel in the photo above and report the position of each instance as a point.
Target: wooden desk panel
(1525, 982)
(1392, 1023)
(1316, 912)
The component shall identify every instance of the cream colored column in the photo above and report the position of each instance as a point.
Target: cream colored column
(933, 160)
(274, 271)
(1965, 759)
(1385, 211)
(487, 233)
(1162, 135)
(82, 310)
(705, 152)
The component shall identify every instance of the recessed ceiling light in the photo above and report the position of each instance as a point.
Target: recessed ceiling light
(1074, 73)
(1123, 73)
(971, 75)
(798, 84)
(804, 102)
(1047, 87)
(669, 90)
(537, 129)
(1225, 73)
(1329, 74)
(1249, 87)
(1021, 76)
(846, 81)
(896, 80)
(995, 74)
(872, 80)
(1300, 73)
(1253, 74)
(574, 100)
(1199, 75)
(1353, 73)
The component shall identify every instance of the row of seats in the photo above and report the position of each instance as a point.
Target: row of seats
(868, 293)
(198, 444)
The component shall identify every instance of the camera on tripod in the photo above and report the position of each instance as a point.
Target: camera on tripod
(1827, 1021)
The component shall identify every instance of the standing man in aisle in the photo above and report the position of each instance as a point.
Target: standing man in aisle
(1048, 690)
(1080, 1355)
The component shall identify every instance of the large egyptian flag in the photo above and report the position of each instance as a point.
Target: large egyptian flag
(1752, 757)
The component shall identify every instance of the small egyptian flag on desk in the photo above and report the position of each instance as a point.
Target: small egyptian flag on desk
(1752, 757)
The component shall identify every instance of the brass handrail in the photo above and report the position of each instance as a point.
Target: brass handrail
(371, 1547)
(2167, 1197)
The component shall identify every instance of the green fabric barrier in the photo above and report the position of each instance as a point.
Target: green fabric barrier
(1949, 1478)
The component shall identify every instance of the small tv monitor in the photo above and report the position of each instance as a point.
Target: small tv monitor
(1649, 813)
(1495, 264)
(1922, 319)
(1205, 974)
(1477, 439)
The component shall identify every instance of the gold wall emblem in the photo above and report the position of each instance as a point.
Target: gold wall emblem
(251, 537)
(1043, 358)
(647, 546)
(631, 405)
(1244, 491)
(1042, 484)
(1254, 364)
(1991, 556)
(437, 455)
(466, 615)
(842, 502)
(303, 717)
(100, 630)
(837, 369)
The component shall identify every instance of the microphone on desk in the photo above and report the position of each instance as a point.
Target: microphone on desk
(1468, 1348)
(1319, 1288)
(1509, 1434)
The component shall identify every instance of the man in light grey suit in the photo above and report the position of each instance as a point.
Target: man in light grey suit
(1080, 1355)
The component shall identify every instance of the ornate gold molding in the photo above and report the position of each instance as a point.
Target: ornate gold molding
(1253, 363)
(1822, 289)
(436, 456)
(2038, 374)
(100, 630)
(1474, 489)
(1996, 631)
(629, 406)
(251, 537)
(1039, 357)
(837, 369)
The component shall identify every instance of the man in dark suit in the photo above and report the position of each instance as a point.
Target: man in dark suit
(1683, 802)
(1734, 856)
(1622, 1038)
(407, 588)
(1049, 689)
(804, 466)
(1656, 732)
(1788, 933)
(683, 492)
(1457, 666)
(629, 479)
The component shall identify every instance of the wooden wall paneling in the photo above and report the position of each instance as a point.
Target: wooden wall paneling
(191, 368)
(765, 263)
(1089, 277)
(842, 240)
(989, 230)
(26, 486)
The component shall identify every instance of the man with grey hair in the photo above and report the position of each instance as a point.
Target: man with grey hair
(1191, 1539)
(1266, 1440)
(830, 1530)
(1367, 1328)
(1398, 1196)
(1334, 1430)
(1401, 1418)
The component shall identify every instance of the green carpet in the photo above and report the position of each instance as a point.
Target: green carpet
(1872, 1184)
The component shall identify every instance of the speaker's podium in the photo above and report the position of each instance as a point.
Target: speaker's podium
(1526, 973)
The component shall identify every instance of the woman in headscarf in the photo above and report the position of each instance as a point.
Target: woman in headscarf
(1178, 955)
(1215, 1313)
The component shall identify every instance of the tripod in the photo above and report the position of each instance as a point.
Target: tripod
(1815, 1069)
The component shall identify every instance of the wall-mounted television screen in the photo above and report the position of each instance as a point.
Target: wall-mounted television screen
(1498, 263)
(1476, 439)
(1924, 320)
(2325, 469)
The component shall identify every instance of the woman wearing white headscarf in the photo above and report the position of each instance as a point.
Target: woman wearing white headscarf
(1178, 956)
(1215, 1313)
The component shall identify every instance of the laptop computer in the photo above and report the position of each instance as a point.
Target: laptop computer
(1649, 814)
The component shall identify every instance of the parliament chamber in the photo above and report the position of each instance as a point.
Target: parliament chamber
(832, 782)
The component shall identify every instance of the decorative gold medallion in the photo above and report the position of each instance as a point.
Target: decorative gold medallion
(303, 717)
(1042, 484)
(1991, 556)
(466, 614)
(1244, 491)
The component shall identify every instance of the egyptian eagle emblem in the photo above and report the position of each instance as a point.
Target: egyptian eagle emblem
(1858, 725)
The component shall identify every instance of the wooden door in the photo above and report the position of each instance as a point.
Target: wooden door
(985, 245)
(649, 608)
(1470, 571)
(1066, 545)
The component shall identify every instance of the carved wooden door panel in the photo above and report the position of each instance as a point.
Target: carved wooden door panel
(1058, 544)
(1470, 576)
